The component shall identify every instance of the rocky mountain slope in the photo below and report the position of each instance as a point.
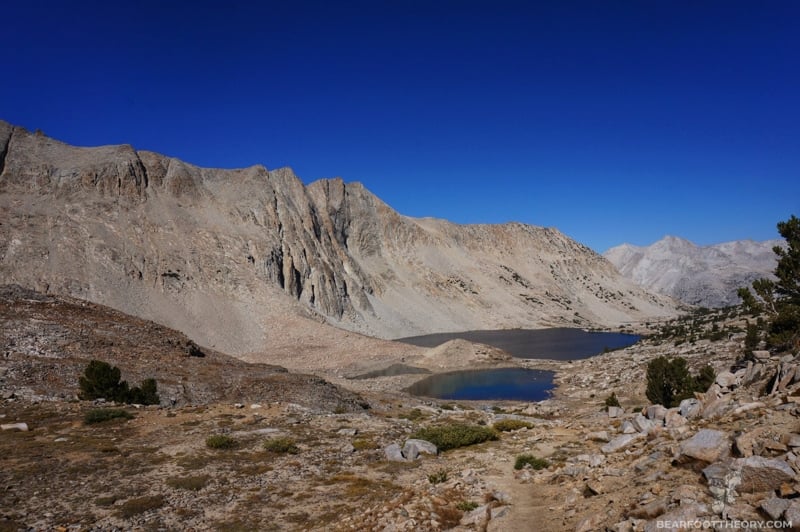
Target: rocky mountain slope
(47, 341)
(233, 258)
(708, 276)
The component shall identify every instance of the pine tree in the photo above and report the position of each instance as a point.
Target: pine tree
(780, 299)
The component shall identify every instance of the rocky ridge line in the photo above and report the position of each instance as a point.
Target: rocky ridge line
(706, 276)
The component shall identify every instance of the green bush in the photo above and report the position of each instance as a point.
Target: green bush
(612, 400)
(220, 441)
(669, 381)
(456, 435)
(438, 477)
(705, 378)
(507, 425)
(105, 414)
(102, 381)
(528, 459)
(147, 394)
(281, 445)
(467, 506)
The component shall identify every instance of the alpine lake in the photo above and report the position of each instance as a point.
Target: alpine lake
(513, 384)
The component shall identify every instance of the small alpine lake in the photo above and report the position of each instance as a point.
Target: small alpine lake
(513, 384)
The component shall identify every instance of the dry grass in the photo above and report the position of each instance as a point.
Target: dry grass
(140, 505)
(193, 483)
(221, 441)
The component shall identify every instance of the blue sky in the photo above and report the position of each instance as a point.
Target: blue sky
(614, 121)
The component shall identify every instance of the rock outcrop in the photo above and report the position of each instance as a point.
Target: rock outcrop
(708, 276)
(222, 254)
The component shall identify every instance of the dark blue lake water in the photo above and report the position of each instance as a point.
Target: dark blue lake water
(514, 384)
(559, 343)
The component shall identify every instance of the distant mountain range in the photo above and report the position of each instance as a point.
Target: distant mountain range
(239, 259)
(707, 276)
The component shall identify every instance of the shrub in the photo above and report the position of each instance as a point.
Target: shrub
(281, 445)
(438, 477)
(705, 378)
(102, 381)
(220, 441)
(669, 381)
(147, 394)
(612, 400)
(507, 425)
(456, 435)
(364, 444)
(105, 414)
(528, 459)
(414, 414)
(467, 506)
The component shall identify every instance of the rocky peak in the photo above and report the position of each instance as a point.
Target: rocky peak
(698, 275)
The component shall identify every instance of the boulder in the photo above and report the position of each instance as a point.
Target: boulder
(763, 474)
(793, 440)
(674, 419)
(419, 446)
(748, 443)
(23, 427)
(748, 407)
(628, 428)
(410, 452)
(706, 446)
(774, 507)
(615, 412)
(792, 513)
(690, 408)
(393, 453)
(726, 379)
(642, 424)
(656, 412)
(716, 407)
(672, 521)
(761, 355)
(598, 436)
(722, 483)
(650, 510)
(620, 442)
(754, 372)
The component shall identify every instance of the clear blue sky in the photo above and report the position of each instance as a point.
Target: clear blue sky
(614, 121)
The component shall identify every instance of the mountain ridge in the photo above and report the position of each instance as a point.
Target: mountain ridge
(224, 255)
(697, 275)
